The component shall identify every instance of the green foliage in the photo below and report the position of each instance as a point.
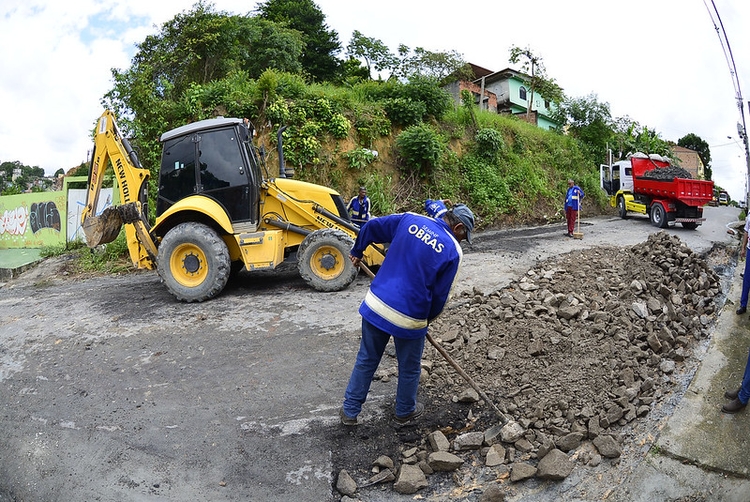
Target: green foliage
(427, 90)
(379, 190)
(321, 45)
(420, 147)
(489, 143)
(589, 121)
(339, 126)
(403, 111)
(698, 144)
(373, 51)
(60, 249)
(538, 82)
(370, 123)
(109, 258)
(359, 158)
(437, 66)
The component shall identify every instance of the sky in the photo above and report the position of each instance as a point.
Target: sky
(659, 62)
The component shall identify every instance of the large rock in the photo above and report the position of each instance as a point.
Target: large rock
(555, 465)
(521, 470)
(410, 480)
(345, 484)
(444, 461)
(438, 441)
(607, 446)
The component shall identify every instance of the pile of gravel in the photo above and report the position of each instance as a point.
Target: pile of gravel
(580, 348)
(668, 173)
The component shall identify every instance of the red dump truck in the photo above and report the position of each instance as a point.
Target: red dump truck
(650, 185)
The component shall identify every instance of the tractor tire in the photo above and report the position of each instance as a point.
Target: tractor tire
(193, 262)
(689, 225)
(659, 216)
(323, 260)
(621, 210)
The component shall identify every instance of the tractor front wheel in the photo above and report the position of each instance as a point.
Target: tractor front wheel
(323, 260)
(193, 261)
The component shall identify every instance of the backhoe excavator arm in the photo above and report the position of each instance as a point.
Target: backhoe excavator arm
(132, 180)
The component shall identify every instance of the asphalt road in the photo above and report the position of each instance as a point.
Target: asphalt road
(113, 391)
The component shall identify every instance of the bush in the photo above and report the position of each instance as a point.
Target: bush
(489, 143)
(404, 111)
(420, 147)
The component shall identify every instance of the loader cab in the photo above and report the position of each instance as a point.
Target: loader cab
(214, 158)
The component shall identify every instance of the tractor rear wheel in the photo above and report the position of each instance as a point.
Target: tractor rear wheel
(193, 262)
(323, 260)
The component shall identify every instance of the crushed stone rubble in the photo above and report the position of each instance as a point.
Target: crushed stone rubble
(582, 345)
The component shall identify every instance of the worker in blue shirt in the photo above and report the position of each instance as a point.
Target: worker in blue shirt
(359, 208)
(573, 198)
(409, 291)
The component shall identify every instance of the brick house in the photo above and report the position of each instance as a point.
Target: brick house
(506, 91)
(690, 161)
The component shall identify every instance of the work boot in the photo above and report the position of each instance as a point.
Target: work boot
(733, 406)
(741, 310)
(732, 394)
(345, 419)
(418, 410)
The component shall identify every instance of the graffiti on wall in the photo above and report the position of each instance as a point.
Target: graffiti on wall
(41, 215)
(44, 215)
(14, 221)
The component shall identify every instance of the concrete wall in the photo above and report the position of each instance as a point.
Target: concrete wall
(34, 220)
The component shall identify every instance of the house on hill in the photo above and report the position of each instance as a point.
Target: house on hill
(507, 92)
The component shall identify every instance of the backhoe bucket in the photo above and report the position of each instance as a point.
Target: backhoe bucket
(103, 228)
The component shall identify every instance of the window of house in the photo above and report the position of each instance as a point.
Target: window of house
(546, 104)
(522, 93)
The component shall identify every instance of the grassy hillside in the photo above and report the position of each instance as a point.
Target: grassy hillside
(508, 171)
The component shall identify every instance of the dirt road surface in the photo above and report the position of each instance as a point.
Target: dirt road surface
(111, 390)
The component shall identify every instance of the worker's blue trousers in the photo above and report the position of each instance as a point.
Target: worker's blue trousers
(371, 348)
(745, 281)
(744, 394)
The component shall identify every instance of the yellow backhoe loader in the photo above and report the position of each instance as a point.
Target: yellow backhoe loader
(216, 213)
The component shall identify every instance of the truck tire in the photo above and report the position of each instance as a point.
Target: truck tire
(193, 262)
(621, 210)
(323, 260)
(659, 216)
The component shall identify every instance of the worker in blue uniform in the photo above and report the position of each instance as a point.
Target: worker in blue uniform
(409, 291)
(359, 208)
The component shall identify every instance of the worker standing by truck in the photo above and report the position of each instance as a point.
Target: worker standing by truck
(573, 199)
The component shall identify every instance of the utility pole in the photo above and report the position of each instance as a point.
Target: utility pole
(741, 127)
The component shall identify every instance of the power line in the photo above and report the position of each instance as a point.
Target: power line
(722, 34)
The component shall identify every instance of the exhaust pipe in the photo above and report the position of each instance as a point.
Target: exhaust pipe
(283, 171)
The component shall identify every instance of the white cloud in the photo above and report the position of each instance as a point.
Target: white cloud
(658, 62)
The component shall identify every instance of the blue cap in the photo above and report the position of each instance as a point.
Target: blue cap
(464, 214)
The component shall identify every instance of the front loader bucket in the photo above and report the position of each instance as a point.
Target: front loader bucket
(103, 228)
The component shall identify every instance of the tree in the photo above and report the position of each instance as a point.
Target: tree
(538, 82)
(374, 52)
(438, 66)
(631, 137)
(321, 43)
(698, 144)
(589, 121)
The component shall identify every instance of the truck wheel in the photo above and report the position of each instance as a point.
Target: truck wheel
(621, 207)
(659, 216)
(323, 260)
(689, 225)
(193, 262)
